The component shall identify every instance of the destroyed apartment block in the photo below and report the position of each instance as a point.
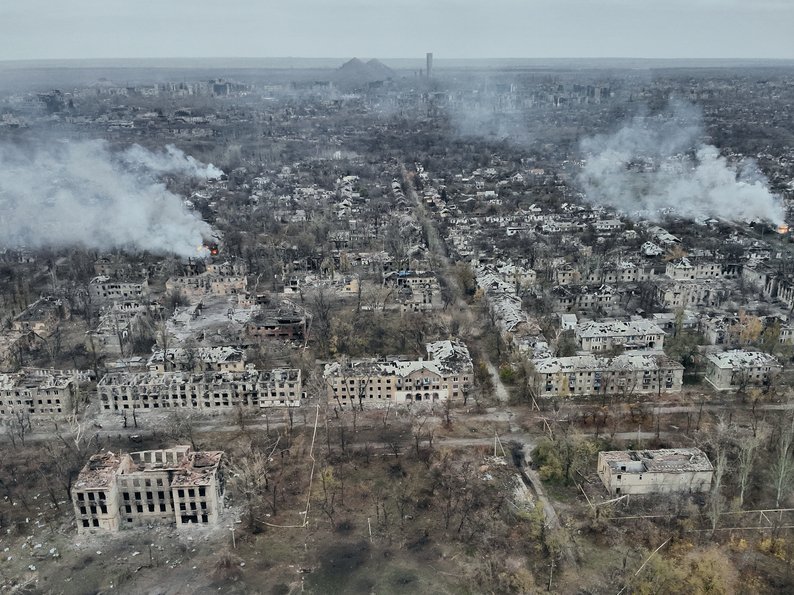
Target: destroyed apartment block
(739, 369)
(622, 271)
(285, 321)
(769, 282)
(416, 291)
(688, 269)
(197, 359)
(610, 334)
(208, 391)
(225, 279)
(634, 373)
(176, 486)
(41, 317)
(118, 325)
(693, 293)
(104, 290)
(446, 374)
(36, 391)
(664, 471)
(590, 298)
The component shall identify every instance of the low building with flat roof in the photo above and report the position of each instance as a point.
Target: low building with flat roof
(663, 471)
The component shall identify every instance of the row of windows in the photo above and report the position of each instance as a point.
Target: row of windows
(194, 404)
(34, 411)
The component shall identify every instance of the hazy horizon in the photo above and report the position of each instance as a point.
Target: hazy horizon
(458, 29)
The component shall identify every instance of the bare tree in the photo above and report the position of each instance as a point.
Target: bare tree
(747, 446)
(783, 466)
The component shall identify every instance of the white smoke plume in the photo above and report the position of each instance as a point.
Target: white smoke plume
(81, 193)
(658, 165)
(172, 160)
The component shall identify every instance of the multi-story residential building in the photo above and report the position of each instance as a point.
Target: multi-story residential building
(197, 286)
(285, 322)
(221, 279)
(609, 334)
(686, 294)
(175, 486)
(205, 391)
(623, 271)
(738, 369)
(685, 269)
(665, 471)
(104, 290)
(584, 297)
(446, 374)
(38, 392)
(627, 374)
(213, 359)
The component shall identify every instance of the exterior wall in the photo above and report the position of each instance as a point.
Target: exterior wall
(144, 498)
(37, 399)
(205, 284)
(420, 385)
(607, 342)
(96, 509)
(275, 329)
(733, 378)
(196, 504)
(119, 391)
(103, 291)
(605, 382)
(622, 482)
(158, 494)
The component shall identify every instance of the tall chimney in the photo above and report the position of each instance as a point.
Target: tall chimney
(429, 63)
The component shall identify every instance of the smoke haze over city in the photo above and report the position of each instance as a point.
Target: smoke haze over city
(83, 193)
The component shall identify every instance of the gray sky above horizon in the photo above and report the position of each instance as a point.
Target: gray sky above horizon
(46, 29)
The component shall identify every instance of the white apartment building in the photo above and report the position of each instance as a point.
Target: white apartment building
(446, 374)
(635, 373)
(732, 370)
(608, 334)
(203, 391)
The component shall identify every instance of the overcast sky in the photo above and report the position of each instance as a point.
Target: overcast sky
(396, 28)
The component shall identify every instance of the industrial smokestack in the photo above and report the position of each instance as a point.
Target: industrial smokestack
(429, 63)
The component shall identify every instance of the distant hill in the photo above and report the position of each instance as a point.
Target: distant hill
(357, 71)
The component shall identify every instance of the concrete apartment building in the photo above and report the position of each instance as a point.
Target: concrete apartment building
(175, 486)
(285, 322)
(646, 373)
(103, 290)
(685, 269)
(609, 334)
(446, 374)
(196, 287)
(214, 359)
(37, 392)
(566, 298)
(692, 293)
(203, 391)
(664, 471)
(738, 369)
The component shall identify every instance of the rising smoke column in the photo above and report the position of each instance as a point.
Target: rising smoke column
(172, 160)
(81, 193)
(657, 165)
